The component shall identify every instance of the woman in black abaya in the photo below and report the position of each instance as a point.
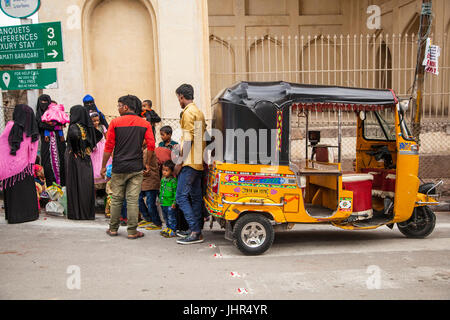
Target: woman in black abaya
(52, 152)
(82, 137)
(18, 150)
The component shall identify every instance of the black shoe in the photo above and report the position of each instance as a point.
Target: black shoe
(191, 239)
(183, 234)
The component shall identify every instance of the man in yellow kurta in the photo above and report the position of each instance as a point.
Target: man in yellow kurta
(189, 190)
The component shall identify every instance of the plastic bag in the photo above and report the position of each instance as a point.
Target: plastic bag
(54, 207)
(63, 200)
(109, 171)
(54, 192)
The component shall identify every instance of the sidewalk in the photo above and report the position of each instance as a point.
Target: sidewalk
(444, 204)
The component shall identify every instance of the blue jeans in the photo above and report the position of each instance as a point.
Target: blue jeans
(189, 188)
(170, 216)
(149, 211)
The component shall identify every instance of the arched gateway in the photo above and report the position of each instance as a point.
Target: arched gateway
(120, 51)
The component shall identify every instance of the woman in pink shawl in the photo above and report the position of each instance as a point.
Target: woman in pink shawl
(18, 150)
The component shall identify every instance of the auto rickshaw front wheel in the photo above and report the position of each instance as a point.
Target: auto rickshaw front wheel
(420, 225)
(253, 234)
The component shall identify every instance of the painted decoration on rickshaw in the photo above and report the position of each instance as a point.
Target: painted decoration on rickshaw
(405, 146)
(260, 185)
(253, 191)
(263, 192)
(290, 199)
(326, 106)
(258, 179)
(230, 195)
(345, 204)
(258, 174)
(213, 211)
(279, 128)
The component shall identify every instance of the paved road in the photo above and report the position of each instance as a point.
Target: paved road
(54, 258)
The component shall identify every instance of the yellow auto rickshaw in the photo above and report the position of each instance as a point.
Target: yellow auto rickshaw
(251, 197)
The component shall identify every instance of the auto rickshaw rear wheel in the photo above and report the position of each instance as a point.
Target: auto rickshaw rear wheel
(420, 225)
(253, 233)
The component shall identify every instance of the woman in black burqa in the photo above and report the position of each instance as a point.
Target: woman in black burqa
(18, 150)
(82, 137)
(52, 152)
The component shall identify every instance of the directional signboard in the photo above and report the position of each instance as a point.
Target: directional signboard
(28, 79)
(31, 43)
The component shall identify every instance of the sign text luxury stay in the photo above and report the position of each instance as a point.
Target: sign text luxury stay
(32, 43)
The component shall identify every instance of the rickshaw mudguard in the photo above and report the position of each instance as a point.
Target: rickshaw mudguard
(407, 181)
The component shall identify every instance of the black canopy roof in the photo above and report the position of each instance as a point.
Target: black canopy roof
(249, 93)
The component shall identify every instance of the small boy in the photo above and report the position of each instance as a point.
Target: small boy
(95, 117)
(167, 194)
(39, 176)
(39, 179)
(166, 137)
(149, 114)
(149, 191)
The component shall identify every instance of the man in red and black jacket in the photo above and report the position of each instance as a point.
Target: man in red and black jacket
(125, 137)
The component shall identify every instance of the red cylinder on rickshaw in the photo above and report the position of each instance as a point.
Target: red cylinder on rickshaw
(361, 185)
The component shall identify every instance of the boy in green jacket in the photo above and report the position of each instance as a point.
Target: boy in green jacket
(167, 194)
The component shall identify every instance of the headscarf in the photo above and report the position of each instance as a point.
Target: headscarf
(88, 98)
(43, 102)
(93, 108)
(79, 116)
(24, 122)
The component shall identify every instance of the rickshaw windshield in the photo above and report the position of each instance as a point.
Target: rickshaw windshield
(405, 130)
(379, 125)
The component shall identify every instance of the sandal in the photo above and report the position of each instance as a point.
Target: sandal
(112, 233)
(135, 236)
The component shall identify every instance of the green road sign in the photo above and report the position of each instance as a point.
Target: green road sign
(31, 43)
(28, 79)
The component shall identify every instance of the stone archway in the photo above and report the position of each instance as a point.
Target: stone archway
(383, 75)
(120, 52)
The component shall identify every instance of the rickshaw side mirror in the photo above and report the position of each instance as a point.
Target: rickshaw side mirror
(404, 105)
(362, 115)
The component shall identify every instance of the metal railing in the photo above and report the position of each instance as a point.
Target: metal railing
(366, 61)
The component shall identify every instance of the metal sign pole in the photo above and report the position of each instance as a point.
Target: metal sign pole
(32, 95)
(2, 112)
(423, 34)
